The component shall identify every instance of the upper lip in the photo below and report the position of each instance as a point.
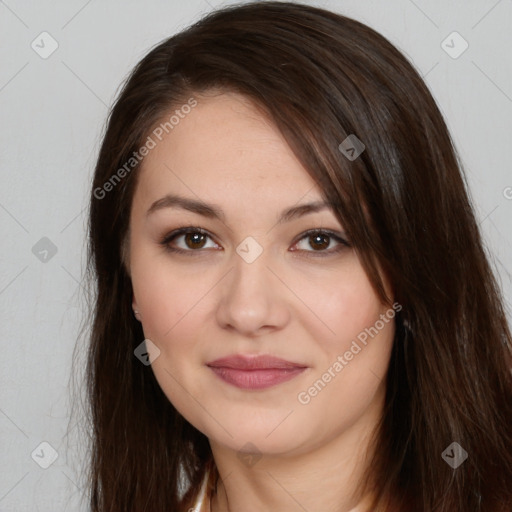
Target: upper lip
(262, 362)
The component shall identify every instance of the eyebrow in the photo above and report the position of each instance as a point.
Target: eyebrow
(214, 212)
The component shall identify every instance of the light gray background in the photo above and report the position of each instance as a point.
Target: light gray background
(52, 116)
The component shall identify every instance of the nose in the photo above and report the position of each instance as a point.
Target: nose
(252, 301)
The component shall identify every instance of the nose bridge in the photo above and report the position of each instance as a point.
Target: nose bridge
(250, 262)
(249, 281)
(251, 298)
(250, 276)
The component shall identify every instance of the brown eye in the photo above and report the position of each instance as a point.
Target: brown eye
(189, 240)
(319, 241)
(195, 240)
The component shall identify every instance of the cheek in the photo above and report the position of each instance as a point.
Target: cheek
(342, 306)
(354, 349)
(350, 377)
(165, 297)
(168, 302)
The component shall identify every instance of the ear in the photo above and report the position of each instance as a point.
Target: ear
(135, 309)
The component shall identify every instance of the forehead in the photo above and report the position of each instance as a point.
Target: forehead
(225, 146)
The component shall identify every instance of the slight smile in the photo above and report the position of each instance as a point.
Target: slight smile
(255, 372)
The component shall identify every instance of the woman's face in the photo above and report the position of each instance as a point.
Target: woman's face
(251, 283)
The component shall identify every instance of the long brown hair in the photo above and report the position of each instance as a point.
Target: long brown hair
(404, 203)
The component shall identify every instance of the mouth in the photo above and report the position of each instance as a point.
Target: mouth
(255, 372)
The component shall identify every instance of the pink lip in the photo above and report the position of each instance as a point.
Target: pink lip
(256, 372)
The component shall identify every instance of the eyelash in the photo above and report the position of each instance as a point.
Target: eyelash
(167, 239)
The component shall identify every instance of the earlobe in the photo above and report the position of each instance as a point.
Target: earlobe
(135, 310)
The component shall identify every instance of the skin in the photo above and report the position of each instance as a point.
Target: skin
(289, 302)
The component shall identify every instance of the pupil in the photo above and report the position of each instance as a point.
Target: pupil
(195, 240)
(319, 241)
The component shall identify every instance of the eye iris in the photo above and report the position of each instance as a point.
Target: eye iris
(319, 241)
(195, 240)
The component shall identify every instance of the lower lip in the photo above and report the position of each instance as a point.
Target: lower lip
(256, 379)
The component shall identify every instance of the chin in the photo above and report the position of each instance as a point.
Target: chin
(268, 437)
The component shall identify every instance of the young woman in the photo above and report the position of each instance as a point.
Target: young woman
(294, 308)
